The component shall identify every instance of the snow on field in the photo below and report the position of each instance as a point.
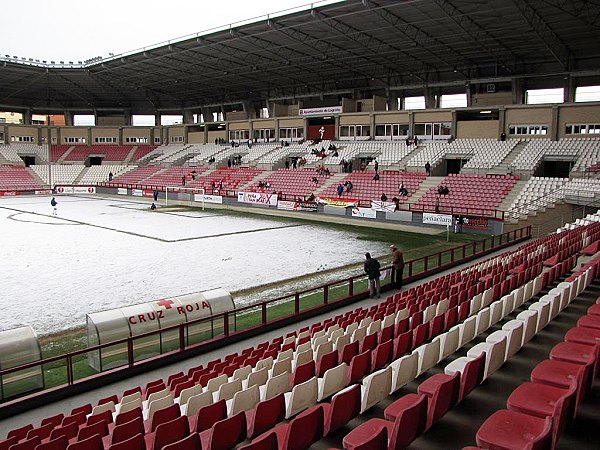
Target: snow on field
(104, 253)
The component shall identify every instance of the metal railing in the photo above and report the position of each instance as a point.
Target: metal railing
(242, 320)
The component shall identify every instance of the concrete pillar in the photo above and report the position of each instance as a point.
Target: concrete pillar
(469, 95)
(306, 129)
(337, 127)
(372, 126)
(68, 118)
(58, 136)
(152, 136)
(39, 136)
(95, 117)
(501, 122)
(27, 117)
(188, 116)
(120, 138)
(554, 125)
(185, 134)
(89, 136)
(518, 92)
(454, 125)
(205, 129)
(207, 113)
(569, 85)
(411, 124)
(165, 134)
(6, 137)
(277, 138)
(251, 130)
(429, 98)
(127, 118)
(156, 119)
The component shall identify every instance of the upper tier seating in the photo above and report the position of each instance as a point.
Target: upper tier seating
(276, 155)
(482, 153)
(99, 174)
(584, 151)
(232, 178)
(109, 152)
(365, 189)
(173, 176)
(17, 178)
(257, 151)
(56, 151)
(535, 196)
(294, 183)
(137, 175)
(202, 153)
(468, 194)
(11, 152)
(58, 173)
(142, 151)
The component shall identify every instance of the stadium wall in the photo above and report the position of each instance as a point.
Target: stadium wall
(477, 129)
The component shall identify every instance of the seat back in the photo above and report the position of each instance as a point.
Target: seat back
(215, 383)
(382, 355)
(55, 421)
(471, 376)
(192, 442)
(94, 442)
(266, 415)
(328, 360)
(245, 400)
(41, 432)
(483, 321)
(189, 392)
(60, 443)
(136, 442)
(349, 352)
(100, 428)
(281, 366)
(126, 416)
(242, 373)
(133, 404)
(19, 433)
(359, 367)
(323, 349)
(208, 415)
(169, 432)
(227, 390)
(409, 423)
(529, 319)
(304, 357)
(404, 370)
(70, 431)
(258, 378)
(376, 387)
(429, 355)
(450, 341)
(515, 339)
(304, 430)
(345, 406)
(159, 404)
(402, 344)
(108, 406)
(303, 396)
(369, 342)
(377, 440)
(303, 373)
(444, 397)
(333, 381)
(127, 430)
(267, 441)
(28, 444)
(164, 415)
(226, 433)
(277, 385)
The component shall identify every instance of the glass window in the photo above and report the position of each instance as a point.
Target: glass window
(414, 103)
(539, 96)
(587, 94)
(84, 120)
(173, 119)
(142, 120)
(453, 101)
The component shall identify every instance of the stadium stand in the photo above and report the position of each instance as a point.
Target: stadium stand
(202, 153)
(292, 183)
(99, 174)
(107, 152)
(57, 151)
(476, 298)
(142, 151)
(366, 189)
(60, 174)
(17, 178)
(11, 152)
(173, 176)
(468, 194)
(232, 179)
(584, 152)
(137, 175)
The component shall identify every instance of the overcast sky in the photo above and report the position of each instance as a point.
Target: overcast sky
(74, 30)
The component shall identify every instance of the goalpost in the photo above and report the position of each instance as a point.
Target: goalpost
(186, 195)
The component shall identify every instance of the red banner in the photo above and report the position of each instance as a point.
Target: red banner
(321, 132)
(476, 223)
(8, 193)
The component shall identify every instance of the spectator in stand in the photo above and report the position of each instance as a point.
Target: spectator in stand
(376, 166)
(349, 166)
(294, 162)
(376, 177)
(428, 168)
(287, 163)
(397, 267)
(335, 154)
(183, 180)
(402, 190)
(343, 165)
(311, 197)
(327, 172)
(315, 180)
(372, 267)
(280, 194)
(416, 141)
(229, 162)
(110, 176)
(437, 204)
(349, 186)
(340, 190)
(503, 136)
(383, 197)
(396, 201)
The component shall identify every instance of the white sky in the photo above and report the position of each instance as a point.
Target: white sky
(74, 30)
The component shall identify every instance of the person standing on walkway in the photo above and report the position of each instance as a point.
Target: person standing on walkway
(397, 266)
(372, 267)
(428, 168)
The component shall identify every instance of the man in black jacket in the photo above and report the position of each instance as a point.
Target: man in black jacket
(372, 267)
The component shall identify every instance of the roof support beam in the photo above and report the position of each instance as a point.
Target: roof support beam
(551, 41)
(585, 10)
(479, 35)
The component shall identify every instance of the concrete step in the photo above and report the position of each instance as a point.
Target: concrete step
(81, 174)
(36, 177)
(127, 159)
(515, 191)
(64, 156)
(254, 181)
(428, 183)
(332, 180)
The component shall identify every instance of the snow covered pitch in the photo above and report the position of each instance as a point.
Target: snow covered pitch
(102, 253)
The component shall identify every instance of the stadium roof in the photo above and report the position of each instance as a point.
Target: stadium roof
(368, 46)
